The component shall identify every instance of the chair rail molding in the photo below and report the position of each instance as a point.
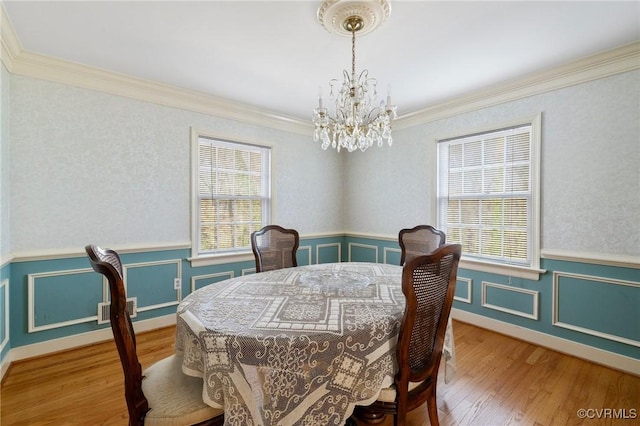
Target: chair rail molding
(619, 260)
(66, 253)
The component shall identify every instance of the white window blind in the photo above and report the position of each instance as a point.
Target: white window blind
(486, 194)
(233, 194)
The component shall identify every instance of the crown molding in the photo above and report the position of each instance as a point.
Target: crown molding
(52, 69)
(615, 61)
(30, 64)
(10, 46)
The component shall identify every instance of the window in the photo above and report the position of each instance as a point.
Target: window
(232, 194)
(488, 194)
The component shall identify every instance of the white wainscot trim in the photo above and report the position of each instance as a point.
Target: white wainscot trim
(556, 306)
(31, 293)
(532, 274)
(221, 259)
(386, 250)
(469, 283)
(579, 350)
(31, 304)
(534, 300)
(177, 262)
(308, 249)
(195, 278)
(52, 254)
(4, 288)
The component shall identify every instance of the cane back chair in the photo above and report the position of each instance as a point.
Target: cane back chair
(166, 396)
(419, 240)
(274, 247)
(428, 283)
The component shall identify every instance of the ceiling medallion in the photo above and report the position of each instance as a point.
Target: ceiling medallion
(359, 120)
(333, 13)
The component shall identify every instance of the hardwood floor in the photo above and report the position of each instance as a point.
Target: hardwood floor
(499, 381)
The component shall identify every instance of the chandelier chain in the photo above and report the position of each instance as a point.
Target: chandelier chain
(353, 54)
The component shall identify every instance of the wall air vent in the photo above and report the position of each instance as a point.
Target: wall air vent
(104, 310)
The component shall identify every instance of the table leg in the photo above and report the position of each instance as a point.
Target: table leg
(368, 416)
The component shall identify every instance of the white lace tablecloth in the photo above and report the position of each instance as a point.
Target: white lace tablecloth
(296, 346)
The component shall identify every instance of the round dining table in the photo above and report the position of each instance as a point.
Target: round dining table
(294, 346)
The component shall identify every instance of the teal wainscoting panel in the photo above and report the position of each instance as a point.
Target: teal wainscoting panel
(591, 304)
(359, 252)
(503, 298)
(598, 306)
(77, 293)
(152, 283)
(512, 300)
(328, 253)
(58, 298)
(360, 249)
(320, 250)
(199, 281)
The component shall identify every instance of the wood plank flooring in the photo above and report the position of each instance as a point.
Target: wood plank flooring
(499, 381)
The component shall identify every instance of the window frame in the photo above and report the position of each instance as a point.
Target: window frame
(532, 270)
(199, 258)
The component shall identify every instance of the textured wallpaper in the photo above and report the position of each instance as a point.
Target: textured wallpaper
(590, 173)
(4, 164)
(92, 167)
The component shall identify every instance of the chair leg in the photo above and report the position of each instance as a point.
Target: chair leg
(400, 416)
(432, 407)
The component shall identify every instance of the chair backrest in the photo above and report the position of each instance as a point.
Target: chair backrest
(428, 283)
(419, 240)
(274, 247)
(107, 262)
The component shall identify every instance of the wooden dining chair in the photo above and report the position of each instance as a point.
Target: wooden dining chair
(274, 247)
(428, 283)
(162, 394)
(419, 240)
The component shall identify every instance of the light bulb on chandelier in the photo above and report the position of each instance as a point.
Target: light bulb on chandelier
(359, 121)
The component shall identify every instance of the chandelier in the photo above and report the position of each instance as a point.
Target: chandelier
(359, 120)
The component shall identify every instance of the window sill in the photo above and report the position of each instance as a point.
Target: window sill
(221, 259)
(507, 270)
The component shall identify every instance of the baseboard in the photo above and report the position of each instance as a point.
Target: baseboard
(578, 350)
(4, 367)
(77, 340)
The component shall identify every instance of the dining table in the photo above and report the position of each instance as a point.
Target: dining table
(296, 346)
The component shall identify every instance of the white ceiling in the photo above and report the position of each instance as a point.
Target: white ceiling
(275, 55)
